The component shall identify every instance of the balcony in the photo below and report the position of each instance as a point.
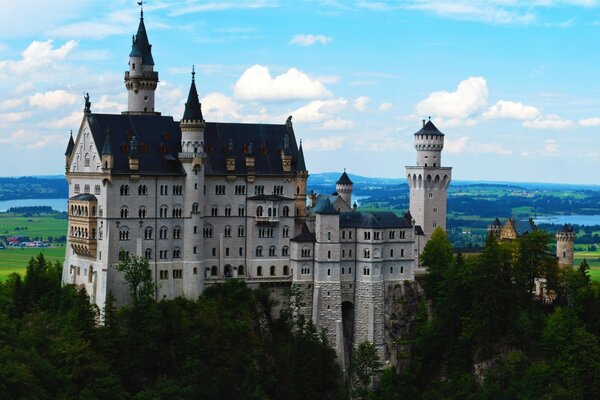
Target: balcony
(270, 221)
(83, 246)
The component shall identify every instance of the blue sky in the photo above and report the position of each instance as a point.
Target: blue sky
(514, 85)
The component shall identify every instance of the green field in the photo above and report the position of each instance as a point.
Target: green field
(16, 259)
(36, 226)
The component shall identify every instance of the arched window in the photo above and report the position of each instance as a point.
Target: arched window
(286, 211)
(259, 251)
(163, 232)
(259, 211)
(259, 271)
(208, 231)
(176, 252)
(227, 231)
(286, 270)
(148, 254)
(241, 270)
(272, 271)
(285, 251)
(214, 271)
(228, 211)
(272, 251)
(148, 233)
(177, 232)
(124, 212)
(195, 207)
(142, 212)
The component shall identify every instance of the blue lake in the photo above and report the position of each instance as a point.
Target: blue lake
(574, 219)
(56, 204)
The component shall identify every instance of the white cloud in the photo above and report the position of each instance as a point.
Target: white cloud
(53, 99)
(360, 103)
(330, 143)
(469, 98)
(319, 110)
(45, 141)
(549, 122)
(256, 83)
(589, 122)
(337, 124)
(309, 40)
(36, 56)
(465, 145)
(456, 146)
(193, 7)
(71, 121)
(550, 148)
(107, 105)
(219, 107)
(10, 104)
(16, 137)
(14, 116)
(495, 12)
(385, 106)
(504, 109)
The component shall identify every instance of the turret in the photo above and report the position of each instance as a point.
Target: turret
(495, 228)
(565, 239)
(343, 187)
(429, 142)
(69, 152)
(141, 80)
(301, 182)
(107, 155)
(192, 126)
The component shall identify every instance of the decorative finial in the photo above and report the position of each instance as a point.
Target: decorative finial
(430, 117)
(71, 132)
(344, 169)
(300, 142)
(193, 73)
(141, 4)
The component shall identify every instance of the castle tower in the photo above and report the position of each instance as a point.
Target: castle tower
(565, 238)
(343, 187)
(495, 228)
(192, 158)
(428, 181)
(141, 79)
(69, 152)
(301, 182)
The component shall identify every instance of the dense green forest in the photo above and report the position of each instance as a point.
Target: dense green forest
(225, 345)
(485, 336)
(481, 334)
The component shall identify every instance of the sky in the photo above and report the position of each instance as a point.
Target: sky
(513, 84)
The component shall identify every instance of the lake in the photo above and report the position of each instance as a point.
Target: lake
(574, 219)
(56, 204)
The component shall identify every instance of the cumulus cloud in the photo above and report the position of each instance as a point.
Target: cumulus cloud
(469, 98)
(330, 143)
(256, 83)
(71, 121)
(220, 107)
(456, 146)
(504, 109)
(589, 122)
(10, 104)
(309, 40)
(360, 103)
(385, 106)
(319, 110)
(465, 145)
(550, 148)
(53, 99)
(10, 117)
(37, 55)
(549, 122)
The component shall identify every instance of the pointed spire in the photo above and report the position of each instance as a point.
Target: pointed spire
(344, 179)
(193, 108)
(70, 146)
(106, 150)
(300, 164)
(142, 42)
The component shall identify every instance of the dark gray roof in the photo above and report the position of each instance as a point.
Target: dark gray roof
(70, 145)
(497, 222)
(84, 197)
(270, 197)
(324, 207)
(524, 227)
(566, 228)
(135, 50)
(106, 150)
(375, 220)
(193, 108)
(429, 129)
(344, 180)
(419, 231)
(141, 40)
(305, 236)
(300, 165)
(266, 141)
(158, 139)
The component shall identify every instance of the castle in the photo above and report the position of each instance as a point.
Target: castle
(204, 202)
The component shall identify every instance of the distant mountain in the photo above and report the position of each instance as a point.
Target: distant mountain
(33, 188)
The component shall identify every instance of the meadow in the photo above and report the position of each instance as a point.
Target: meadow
(15, 259)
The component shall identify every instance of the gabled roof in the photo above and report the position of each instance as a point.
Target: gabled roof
(193, 108)
(375, 220)
(305, 236)
(158, 139)
(325, 207)
(429, 129)
(523, 227)
(234, 140)
(344, 180)
(70, 145)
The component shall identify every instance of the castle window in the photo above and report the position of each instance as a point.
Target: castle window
(272, 251)
(163, 211)
(86, 188)
(177, 213)
(124, 234)
(401, 252)
(367, 253)
(163, 232)
(228, 211)
(177, 274)
(259, 189)
(208, 231)
(142, 190)
(435, 210)
(402, 234)
(343, 253)
(329, 254)
(195, 229)
(124, 212)
(349, 234)
(240, 270)
(148, 254)
(305, 270)
(305, 252)
(195, 207)
(286, 270)
(148, 233)
(214, 251)
(163, 274)
(177, 233)
(177, 253)
(227, 231)
(241, 211)
(195, 250)
(343, 270)
(286, 231)
(272, 272)
(259, 271)
(259, 211)
(285, 251)
(392, 234)
(214, 211)
(391, 252)
(328, 235)
(391, 270)
(220, 189)
(241, 231)
(401, 270)
(213, 271)
(195, 270)
(124, 190)
(366, 271)
(328, 271)
(430, 195)
(377, 235)
(240, 189)
(286, 211)
(259, 250)
(97, 189)
(367, 235)
(434, 224)
(86, 160)
(142, 212)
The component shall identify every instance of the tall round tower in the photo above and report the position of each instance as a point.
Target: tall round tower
(565, 239)
(343, 187)
(428, 181)
(141, 80)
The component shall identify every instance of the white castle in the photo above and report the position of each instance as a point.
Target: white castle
(205, 202)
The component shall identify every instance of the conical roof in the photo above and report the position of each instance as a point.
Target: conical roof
(344, 180)
(429, 129)
(300, 164)
(70, 145)
(141, 40)
(193, 108)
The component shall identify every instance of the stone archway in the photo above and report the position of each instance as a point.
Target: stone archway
(228, 271)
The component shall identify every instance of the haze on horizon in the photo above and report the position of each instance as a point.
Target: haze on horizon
(514, 85)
